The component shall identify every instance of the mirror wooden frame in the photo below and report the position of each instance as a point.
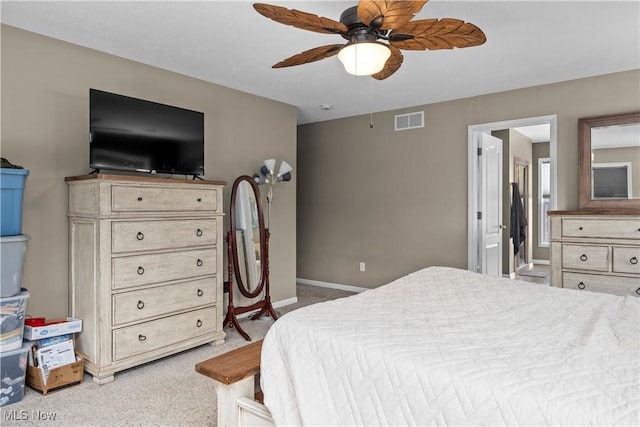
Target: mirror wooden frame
(264, 266)
(263, 306)
(584, 164)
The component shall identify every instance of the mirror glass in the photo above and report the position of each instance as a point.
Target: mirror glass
(248, 236)
(609, 162)
(615, 162)
(248, 246)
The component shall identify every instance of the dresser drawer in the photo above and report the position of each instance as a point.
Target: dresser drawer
(585, 257)
(626, 260)
(130, 236)
(149, 336)
(146, 303)
(154, 268)
(162, 199)
(602, 283)
(611, 228)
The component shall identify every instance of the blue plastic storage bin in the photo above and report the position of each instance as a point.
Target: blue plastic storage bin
(12, 186)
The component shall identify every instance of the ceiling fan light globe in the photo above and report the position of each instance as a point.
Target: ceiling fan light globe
(364, 58)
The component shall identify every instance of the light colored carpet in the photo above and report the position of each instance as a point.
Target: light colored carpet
(167, 392)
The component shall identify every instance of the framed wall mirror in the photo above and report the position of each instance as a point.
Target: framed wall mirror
(247, 253)
(609, 162)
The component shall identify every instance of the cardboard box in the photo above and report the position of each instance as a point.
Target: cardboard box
(60, 377)
(68, 326)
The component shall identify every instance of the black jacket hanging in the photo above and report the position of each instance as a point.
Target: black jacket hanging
(518, 219)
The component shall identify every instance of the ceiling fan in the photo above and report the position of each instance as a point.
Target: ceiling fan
(372, 20)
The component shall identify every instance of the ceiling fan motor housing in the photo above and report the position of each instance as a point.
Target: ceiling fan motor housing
(358, 31)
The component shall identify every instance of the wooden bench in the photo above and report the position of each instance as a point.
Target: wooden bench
(237, 373)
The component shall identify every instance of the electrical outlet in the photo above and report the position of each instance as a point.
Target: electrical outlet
(362, 266)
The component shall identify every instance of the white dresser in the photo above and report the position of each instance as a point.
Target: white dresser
(597, 253)
(145, 258)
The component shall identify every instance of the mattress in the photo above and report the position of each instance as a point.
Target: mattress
(444, 346)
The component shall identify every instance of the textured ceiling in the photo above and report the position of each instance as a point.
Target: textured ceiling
(226, 42)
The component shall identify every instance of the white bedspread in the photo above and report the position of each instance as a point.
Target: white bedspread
(444, 346)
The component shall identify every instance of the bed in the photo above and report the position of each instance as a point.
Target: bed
(444, 346)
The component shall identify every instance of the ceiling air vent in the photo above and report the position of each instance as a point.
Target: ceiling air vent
(410, 121)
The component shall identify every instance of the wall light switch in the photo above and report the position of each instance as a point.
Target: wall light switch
(362, 266)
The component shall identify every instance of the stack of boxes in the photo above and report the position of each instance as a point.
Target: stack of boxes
(53, 363)
(13, 297)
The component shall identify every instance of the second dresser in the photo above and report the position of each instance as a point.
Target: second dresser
(598, 253)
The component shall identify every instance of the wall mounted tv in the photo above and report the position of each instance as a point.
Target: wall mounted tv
(130, 134)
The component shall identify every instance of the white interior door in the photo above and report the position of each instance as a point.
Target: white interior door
(490, 204)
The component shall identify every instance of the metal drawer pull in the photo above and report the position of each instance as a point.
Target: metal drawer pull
(634, 260)
(200, 293)
(140, 236)
(139, 199)
(581, 285)
(638, 291)
(142, 337)
(140, 305)
(198, 232)
(199, 323)
(579, 228)
(140, 270)
(583, 257)
(199, 263)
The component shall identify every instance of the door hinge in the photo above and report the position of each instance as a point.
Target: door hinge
(479, 151)
(479, 215)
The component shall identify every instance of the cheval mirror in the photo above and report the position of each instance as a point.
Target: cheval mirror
(247, 253)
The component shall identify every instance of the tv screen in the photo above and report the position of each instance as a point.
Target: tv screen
(132, 134)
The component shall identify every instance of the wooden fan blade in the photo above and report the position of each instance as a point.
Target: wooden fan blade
(389, 14)
(433, 34)
(302, 20)
(391, 66)
(310, 55)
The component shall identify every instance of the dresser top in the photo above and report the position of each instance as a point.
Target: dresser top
(141, 178)
(596, 212)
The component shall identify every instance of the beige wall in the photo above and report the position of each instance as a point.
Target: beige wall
(398, 200)
(45, 119)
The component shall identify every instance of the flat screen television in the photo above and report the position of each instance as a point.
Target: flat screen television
(130, 134)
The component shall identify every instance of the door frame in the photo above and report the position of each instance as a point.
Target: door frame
(472, 176)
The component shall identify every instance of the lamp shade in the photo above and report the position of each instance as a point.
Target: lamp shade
(284, 168)
(364, 58)
(285, 177)
(258, 179)
(270, 164)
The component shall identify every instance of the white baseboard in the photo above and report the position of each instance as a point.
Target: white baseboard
(284, 302)
(338, 286)
(294, 300)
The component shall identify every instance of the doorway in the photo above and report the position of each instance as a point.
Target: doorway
(477, 201)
